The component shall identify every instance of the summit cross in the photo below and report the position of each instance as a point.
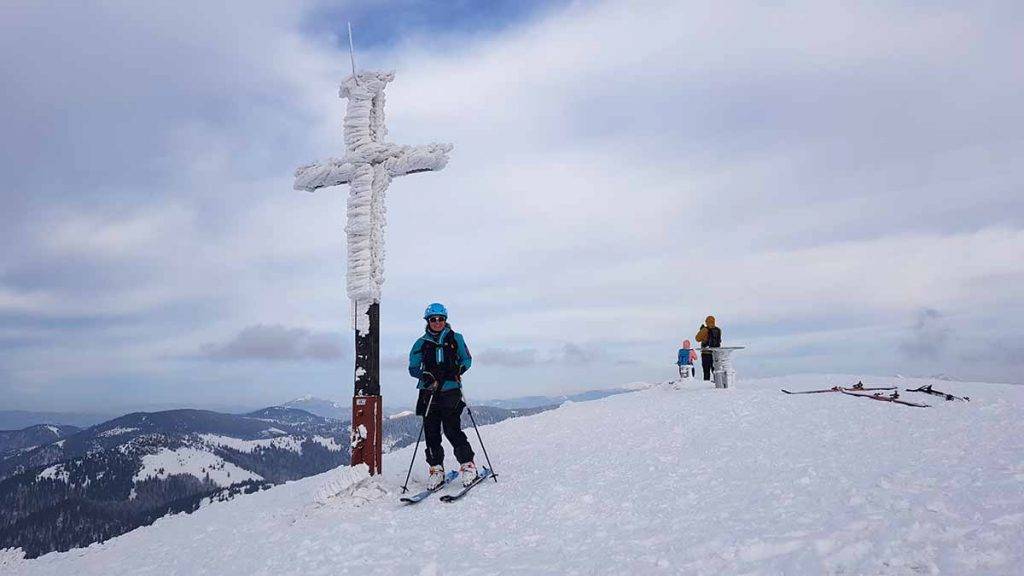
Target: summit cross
(369, 164)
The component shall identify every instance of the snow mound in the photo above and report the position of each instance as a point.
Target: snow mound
(350, 487)
(746, 480)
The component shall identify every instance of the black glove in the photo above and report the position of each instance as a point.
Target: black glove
(429, 380)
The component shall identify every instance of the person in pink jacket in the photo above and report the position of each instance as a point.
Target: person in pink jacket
(687, 356)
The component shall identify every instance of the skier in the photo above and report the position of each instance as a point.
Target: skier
(438, 360)
(709, 336)
(685, 361)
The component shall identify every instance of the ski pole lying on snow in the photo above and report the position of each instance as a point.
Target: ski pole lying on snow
(417, 448)
(484, 448)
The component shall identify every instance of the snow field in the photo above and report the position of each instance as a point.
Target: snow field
(693, 481)
(290, 443)
(118, 431)
(55, 472)
(198, 463)
(248, 446)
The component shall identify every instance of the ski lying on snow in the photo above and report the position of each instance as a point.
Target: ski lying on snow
(452, 475)
(894, 398)
(859, 386)
(928, 390)
(484, 474)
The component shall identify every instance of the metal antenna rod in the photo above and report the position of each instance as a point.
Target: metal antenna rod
(352, 52)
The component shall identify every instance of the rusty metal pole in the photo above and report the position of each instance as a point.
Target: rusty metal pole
(367, 405)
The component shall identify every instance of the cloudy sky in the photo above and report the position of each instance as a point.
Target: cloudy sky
(839, 184)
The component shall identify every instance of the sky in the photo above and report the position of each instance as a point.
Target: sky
(837, 183)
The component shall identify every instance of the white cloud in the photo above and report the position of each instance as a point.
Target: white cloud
(276, 342)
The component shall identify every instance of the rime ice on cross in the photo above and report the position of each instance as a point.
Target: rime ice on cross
(368, 166)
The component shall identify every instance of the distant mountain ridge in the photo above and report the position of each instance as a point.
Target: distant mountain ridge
(539, 401)
(14, 441)
(11, 420)
(321, 407)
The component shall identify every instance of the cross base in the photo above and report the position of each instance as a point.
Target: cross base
(367, 437)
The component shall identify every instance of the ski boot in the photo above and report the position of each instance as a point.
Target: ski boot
(468, 473)
(436, 478)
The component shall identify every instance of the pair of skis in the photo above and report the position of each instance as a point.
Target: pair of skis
(862, 391)
(928, 390)
(894, 398)
(419, 497)
(858, 387)
(484, 474)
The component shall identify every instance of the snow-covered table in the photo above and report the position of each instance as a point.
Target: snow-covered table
(724, 374)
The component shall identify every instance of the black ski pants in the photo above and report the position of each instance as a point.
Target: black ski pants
(445, 414)
(707, 361)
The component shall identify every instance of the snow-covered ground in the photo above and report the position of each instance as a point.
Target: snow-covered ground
(661, 481)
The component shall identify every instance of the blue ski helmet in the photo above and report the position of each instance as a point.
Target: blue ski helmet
(435, 309)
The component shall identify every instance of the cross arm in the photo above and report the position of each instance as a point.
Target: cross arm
(330, 172)
(411, 159)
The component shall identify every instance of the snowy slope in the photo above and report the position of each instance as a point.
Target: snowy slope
(661, 481)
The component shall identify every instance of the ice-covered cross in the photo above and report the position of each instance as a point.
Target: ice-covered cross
(368, 166)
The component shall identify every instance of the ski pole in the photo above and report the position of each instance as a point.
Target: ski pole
(481, 440)
(417, 448)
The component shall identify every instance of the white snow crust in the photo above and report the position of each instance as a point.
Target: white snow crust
(198, 463)
(9, 557)
(745, 480)
(358, 434)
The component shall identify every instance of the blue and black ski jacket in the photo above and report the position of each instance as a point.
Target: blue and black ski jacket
(444, 355)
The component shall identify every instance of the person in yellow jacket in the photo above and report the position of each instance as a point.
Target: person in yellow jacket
(709, 336)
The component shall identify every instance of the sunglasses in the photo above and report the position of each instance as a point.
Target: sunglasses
(436, 319)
